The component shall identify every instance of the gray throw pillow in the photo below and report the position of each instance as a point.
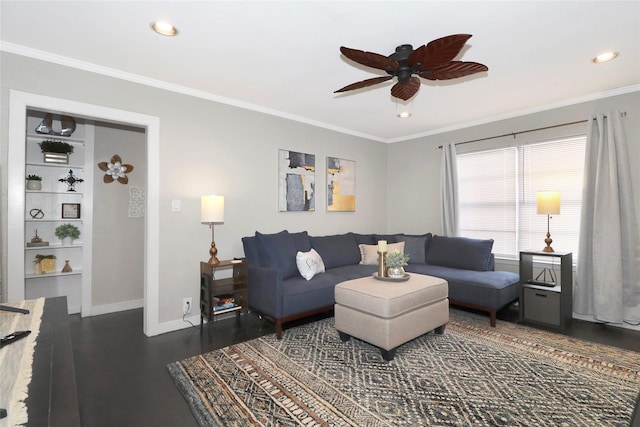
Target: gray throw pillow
(337, 250)
(416, 247)
(302, 241)
(278, 251)
(460, 252)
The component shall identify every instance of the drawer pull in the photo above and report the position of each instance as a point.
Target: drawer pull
(541, 295)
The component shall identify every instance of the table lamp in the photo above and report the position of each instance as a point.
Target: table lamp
(548, 204)
(211, 212)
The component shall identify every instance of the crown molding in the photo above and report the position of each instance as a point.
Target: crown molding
(159, 84)
(568, 102)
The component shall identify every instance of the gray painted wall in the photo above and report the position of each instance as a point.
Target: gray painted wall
(117, 271)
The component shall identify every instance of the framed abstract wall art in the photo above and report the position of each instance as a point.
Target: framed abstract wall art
(296, 181)
(341, 185)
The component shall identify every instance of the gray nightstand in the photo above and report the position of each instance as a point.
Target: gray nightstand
(546, 305)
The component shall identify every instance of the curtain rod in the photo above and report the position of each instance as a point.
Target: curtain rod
(622, 114)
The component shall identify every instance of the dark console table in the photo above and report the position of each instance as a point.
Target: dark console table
(549, 304)
(53, 397)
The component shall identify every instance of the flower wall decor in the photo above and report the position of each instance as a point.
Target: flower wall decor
(115, 170)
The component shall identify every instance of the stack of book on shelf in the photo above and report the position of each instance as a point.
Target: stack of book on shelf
(223, 302)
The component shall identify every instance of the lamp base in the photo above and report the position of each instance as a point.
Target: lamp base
(213, 251)
(548, 241)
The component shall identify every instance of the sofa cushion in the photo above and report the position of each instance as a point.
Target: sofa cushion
(492, 289)
(309, 263)
(364, 239)
(278, 251)
(251, 252)
(416, 247)
(460, 252)
(369, 253)
(299, 295)
(337, 250)
(348, 272)
(301, 241)
(390, 238)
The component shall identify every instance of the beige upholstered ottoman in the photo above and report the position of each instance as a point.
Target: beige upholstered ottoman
(389, 314)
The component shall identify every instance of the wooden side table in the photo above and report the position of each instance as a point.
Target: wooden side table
(234, 286)
(546, 305)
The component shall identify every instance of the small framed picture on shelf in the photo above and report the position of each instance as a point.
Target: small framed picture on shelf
(71, 210)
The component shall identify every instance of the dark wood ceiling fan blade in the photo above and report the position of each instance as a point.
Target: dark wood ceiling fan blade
(370, 59)
(438, 52)
(364, 83)
(407, 90)
(453, 70)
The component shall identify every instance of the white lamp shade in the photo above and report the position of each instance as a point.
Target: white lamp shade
(548, 202)
(211, 209)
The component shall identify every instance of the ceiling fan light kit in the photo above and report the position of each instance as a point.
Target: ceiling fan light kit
(433, 61)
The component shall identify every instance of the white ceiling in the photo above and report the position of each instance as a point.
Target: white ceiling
(283, 58)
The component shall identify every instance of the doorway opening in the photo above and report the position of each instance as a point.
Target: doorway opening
(20, 103)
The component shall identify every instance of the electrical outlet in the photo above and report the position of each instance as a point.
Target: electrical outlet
(186, 305)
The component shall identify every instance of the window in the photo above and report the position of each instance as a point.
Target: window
(497, 195)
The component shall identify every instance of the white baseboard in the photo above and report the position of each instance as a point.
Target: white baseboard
(590, 318)
(97, 310)
(176, 325)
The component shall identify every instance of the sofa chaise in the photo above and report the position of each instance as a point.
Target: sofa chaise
(279, 292)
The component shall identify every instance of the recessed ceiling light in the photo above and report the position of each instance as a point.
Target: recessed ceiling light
(404, 115)
(164, 28)
(605, 57)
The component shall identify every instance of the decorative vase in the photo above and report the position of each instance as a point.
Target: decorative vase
(33, 184)
(66, 241)
(67, 267)
(395, 272)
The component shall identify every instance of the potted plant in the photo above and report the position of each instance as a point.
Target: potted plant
(69, 231)
(395, 261)
(34, 182)
(56, 151)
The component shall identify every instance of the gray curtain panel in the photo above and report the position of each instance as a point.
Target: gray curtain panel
(608, 276)
(449, 190)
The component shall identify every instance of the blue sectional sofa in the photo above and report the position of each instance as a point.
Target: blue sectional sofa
(278, 292)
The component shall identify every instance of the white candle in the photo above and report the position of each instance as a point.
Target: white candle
(382, 246)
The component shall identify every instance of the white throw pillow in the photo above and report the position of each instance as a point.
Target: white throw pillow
(369, 253)
(309, 263)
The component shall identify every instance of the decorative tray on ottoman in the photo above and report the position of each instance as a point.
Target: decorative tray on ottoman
(392, 279)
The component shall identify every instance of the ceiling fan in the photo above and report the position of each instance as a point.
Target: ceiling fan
(433, 61)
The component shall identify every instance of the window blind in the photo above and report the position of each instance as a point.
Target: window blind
(497, 195)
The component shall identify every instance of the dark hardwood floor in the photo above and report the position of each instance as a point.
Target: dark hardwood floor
(121, 374)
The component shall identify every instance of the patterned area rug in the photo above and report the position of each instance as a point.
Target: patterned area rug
(472, 375)
(16, 360)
